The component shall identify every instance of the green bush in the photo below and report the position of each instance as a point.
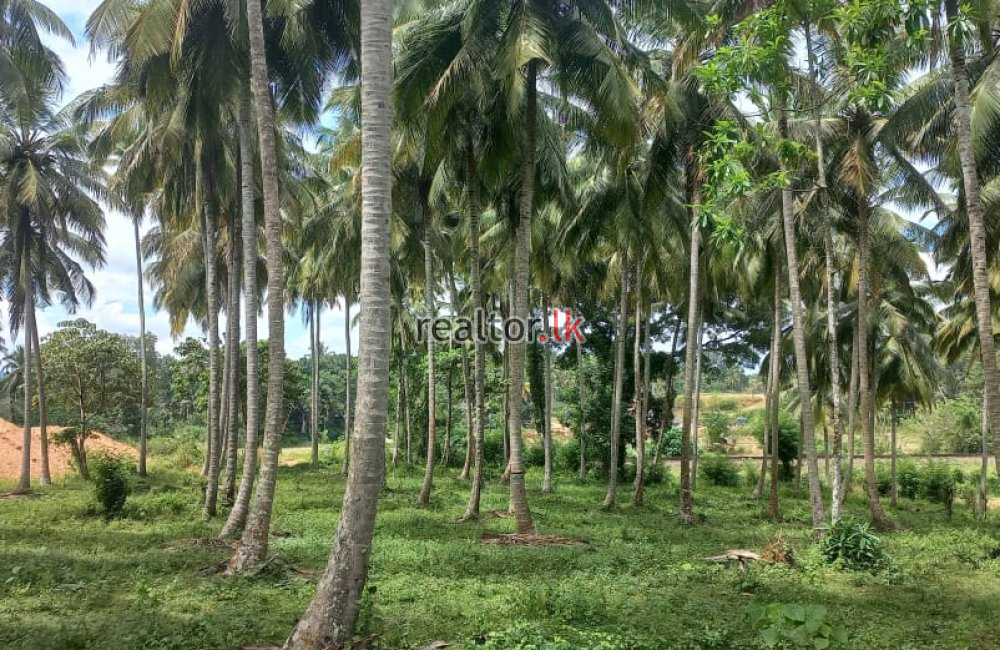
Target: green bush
(788, 439)
(953, 427)
(671, 443)
(111, 485)
(853, 546)
(719, 470)
(716, 425)
(534, 455)
(751, 472)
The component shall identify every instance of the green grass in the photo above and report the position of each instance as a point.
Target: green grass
(68, 580)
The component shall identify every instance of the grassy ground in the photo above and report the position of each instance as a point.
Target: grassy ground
(69, 580)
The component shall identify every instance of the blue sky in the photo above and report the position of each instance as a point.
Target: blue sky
(116, 307)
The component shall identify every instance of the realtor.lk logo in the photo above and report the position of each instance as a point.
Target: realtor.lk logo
(491, 328)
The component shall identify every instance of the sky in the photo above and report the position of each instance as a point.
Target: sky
(116, 307)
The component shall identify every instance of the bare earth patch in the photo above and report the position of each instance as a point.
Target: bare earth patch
(60, 456)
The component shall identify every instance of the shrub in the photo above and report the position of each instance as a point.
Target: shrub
(788, 439)
(853, 546)
(953, 427)
(719, 470)
(534, 455)
(751, 472)
(672, 443)
(716, 425)
(111, 484)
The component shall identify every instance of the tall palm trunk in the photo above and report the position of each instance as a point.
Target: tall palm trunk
(518, 491)
(977, 227)
(430, 306)
(690, 359)
(479, 359)
(581, 432)
(774, 390)
(24, 485)
(253, 547)
(696, 407)
(852, 414)
(470, 443)
(347, 392)
(232, 361)
(329, 621)
(547, 415)
(640, 405)
(314, 382)
(406, 391)
(449, 408)
(984, 467)
(241, 506)
(616, 401)
(144, 369)
(214, 447)
(799, 339)
(45, 478)
(874, 504)
(765, 444)
(892, 455)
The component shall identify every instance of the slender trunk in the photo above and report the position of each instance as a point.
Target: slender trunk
(616, 404)
(208, 225)
(690, 352)
(640, 458)
(430, 304)
(642, 395)
(852, 412)
(799, 338)
(547, 415)
(232, 361)
(765, 441)
(24, 485)
(406, 392)
(696, 407)
(314, 382)
(399, 418)
(518, 491)
(667, 418)
(347, 390)
(892, 455)
(449, 412)
(470, 441)
(241, 506)
(977, 227)
(329, 621)
(253, 547)
(45, 478)
(581, 431)
(874, 504)
(984, 467)
(774, 403)
(144, 369)
(479, 358)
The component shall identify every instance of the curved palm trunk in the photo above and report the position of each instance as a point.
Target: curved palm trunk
(582, 423)
(518, 491)
(211, 297)
(329, 621)
(253, 546)
(977, 228)
(430, 306)
(616, 403)
(232, 361)
(24, 485)
(347, 393)
(690, 353)
(144, 397)
(547, 416)
(238, 515)
(864, 372)
(799, 339)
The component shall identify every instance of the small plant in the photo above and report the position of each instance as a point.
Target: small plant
(719, 470)
(717, 425)
(796, 626)
(111, 484)
(853, 546)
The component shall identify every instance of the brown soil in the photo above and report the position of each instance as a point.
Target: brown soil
(60, 457)
(560, 432)
(513, 539)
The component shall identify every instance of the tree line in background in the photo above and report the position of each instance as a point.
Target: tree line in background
(711, 179)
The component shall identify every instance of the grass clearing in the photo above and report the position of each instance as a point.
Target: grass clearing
(68, 580)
